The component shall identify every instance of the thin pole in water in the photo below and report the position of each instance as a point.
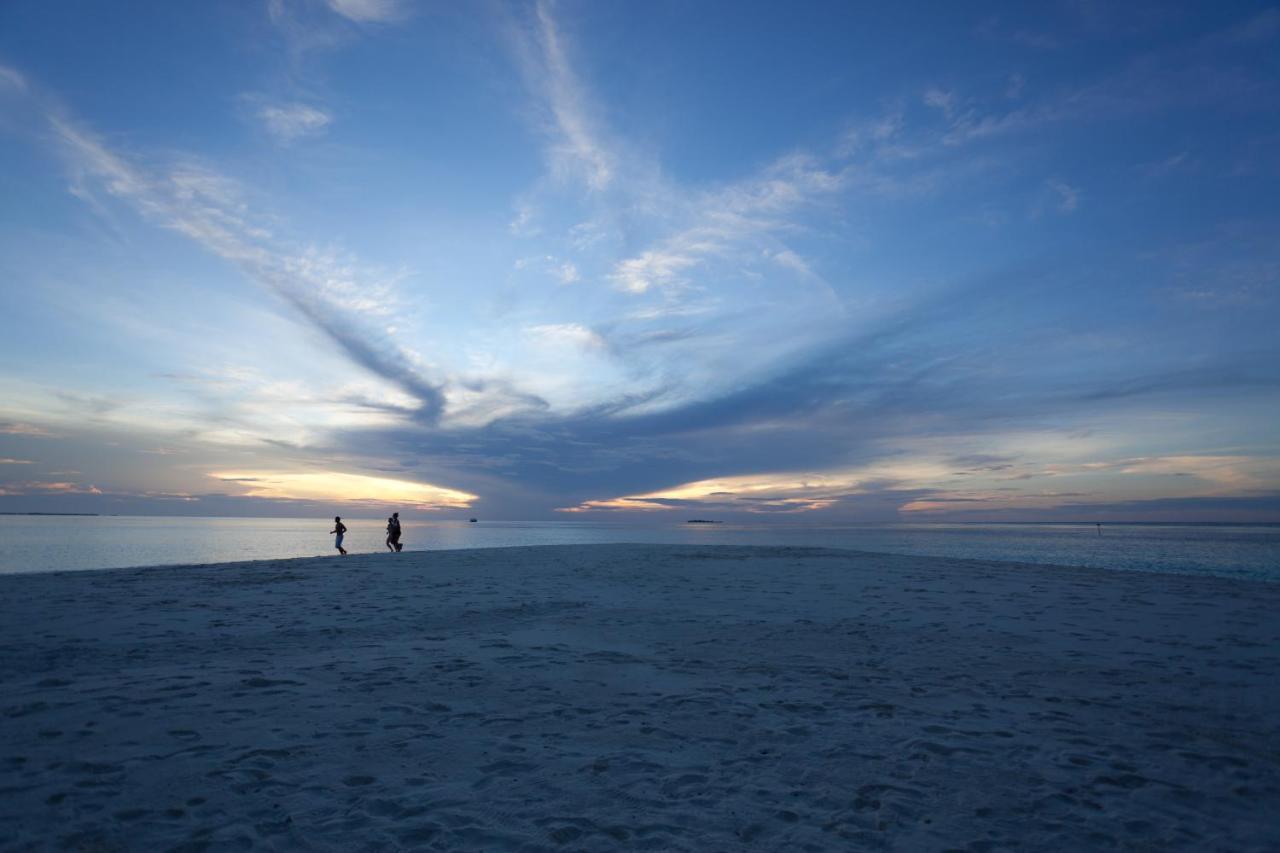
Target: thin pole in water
(1099, 523)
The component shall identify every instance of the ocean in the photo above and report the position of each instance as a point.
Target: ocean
(51, 543)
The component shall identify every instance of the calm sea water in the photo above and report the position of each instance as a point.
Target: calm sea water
(47, 543)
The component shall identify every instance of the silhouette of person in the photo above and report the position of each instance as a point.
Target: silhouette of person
(340, 530)
(393, 532)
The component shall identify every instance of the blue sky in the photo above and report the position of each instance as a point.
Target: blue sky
(614, 260)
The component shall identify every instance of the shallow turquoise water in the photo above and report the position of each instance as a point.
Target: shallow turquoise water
(45, 543)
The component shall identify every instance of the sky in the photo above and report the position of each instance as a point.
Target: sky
(817, 262)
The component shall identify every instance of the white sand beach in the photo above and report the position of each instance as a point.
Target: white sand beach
(638, 697)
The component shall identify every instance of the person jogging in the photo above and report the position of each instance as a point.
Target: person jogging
(393, 532)
(339, 530)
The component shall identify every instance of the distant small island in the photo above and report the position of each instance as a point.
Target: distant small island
(702, 521)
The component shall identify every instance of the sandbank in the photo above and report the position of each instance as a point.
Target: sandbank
(631, 697)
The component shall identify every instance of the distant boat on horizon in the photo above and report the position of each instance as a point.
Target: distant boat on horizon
(703, 521)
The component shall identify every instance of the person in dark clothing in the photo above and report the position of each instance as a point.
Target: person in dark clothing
(393, 532)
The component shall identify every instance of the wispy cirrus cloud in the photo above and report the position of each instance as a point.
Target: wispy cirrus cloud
(682, 254)
(212, 210)
(566, 334)
(370, 11)
(730, 221)
(695, 253)
(1166, 166)
(1068, 196)
(12, 80)
(578, 149)
(289, 122)
(940, 99)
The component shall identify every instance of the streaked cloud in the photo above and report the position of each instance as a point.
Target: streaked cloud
(1068, 196)
(26, 429)
(578, 150)
(940, 100)
(12, 80)
(933, 485)
(783, 493)
(727, 225)
(566, 334)
(290, 122)
(567, 272)
(790, 260)
(369, 11)
(213, 211)
(344, 488)
(33, 487)
(655, 267)
(1159, 168)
